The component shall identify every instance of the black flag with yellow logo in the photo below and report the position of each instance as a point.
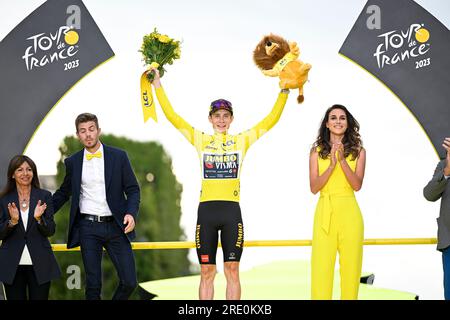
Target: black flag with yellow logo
(408, 49)
(40, 60)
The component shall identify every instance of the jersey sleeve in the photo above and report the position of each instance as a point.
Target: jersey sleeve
(268, 122)
(189, 132)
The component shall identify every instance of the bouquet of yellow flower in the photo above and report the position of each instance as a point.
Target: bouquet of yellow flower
(158, 50)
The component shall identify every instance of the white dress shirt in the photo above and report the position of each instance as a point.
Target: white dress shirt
(93, 189)
(25, 259)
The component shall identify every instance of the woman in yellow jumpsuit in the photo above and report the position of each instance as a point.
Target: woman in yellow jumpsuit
(336, 169)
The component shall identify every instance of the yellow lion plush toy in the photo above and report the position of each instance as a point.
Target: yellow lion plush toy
(278, 58)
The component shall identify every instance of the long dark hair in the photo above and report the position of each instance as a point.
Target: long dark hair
(352, 139)
(15, 163)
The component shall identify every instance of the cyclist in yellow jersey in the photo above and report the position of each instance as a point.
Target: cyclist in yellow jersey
(221, 155)
(337, 165)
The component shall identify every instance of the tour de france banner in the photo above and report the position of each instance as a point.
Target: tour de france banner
(40, 60)
(408, 49)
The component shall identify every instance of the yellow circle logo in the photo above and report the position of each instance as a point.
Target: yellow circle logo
(422, 35)
(71, 38)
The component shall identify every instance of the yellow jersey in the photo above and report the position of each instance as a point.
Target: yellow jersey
(221, 155)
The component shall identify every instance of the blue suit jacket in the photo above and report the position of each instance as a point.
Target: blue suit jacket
(35, 237)
(122, 190)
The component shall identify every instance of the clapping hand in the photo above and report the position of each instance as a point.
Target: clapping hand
(334, 148)
(340, 150)
(13, 213)
(39, 210)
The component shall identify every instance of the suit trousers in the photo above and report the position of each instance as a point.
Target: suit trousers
(25, 286)
(446, 266)
(95, 236)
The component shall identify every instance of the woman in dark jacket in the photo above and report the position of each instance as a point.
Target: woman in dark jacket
(27, 262)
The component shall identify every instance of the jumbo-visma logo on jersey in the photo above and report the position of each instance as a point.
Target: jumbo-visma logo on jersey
(221, 166)
(44, 49)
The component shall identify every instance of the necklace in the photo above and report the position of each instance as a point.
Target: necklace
(24, 203)
(23, 200)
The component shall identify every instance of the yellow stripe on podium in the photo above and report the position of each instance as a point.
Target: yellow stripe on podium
(259, 243)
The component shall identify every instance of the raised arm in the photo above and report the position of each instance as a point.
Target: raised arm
(178, 122)
(270, 120)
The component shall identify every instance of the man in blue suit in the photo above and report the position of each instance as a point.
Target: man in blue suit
(105, 203)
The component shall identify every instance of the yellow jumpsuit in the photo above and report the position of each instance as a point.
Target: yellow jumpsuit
(338, 226)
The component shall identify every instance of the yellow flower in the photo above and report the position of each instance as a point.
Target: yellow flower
(164, 38)
(159, 49)
(177, 53)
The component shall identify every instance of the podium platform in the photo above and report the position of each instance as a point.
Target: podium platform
(281, 280)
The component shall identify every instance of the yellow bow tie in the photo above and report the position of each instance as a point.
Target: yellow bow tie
(89, 156)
